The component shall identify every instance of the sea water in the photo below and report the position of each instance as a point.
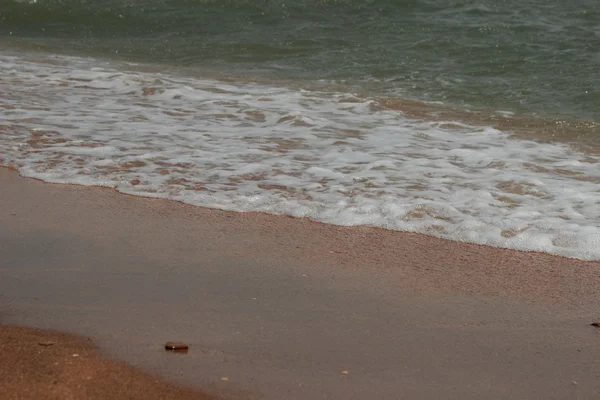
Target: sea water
(474, 121)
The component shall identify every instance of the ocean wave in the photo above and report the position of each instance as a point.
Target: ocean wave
(534, 57)
(335, 157)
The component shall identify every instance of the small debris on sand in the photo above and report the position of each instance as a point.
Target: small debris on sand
(596, 324)
(176, 346)
(45, 343)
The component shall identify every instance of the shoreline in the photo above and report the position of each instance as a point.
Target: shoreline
(282, 306)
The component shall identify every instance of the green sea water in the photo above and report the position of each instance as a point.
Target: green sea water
(540, 57)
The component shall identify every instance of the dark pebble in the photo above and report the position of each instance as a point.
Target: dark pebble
(176, 346)
(596, 324)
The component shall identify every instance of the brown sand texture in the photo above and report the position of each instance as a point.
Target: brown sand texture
(50, 365)
(281, 308)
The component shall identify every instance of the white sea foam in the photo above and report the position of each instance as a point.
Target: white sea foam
(333, 157)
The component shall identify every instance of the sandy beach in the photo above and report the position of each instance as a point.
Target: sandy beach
(281, 308)
(51, 365)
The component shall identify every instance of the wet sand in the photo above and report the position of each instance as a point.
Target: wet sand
(287, 308)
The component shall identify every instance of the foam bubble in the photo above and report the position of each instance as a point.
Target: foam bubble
(334, 157)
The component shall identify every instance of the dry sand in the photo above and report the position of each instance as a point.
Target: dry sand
(51, 365)
(287, 308)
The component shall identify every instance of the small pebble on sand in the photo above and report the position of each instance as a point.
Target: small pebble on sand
(176, 346)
